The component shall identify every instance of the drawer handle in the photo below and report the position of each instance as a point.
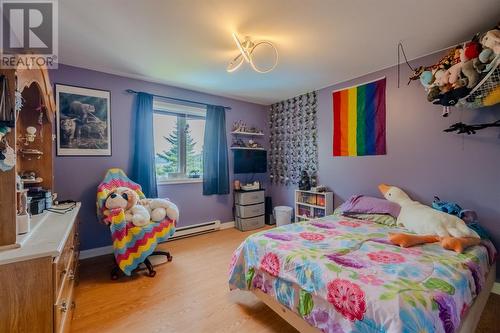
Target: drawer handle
(64, 306)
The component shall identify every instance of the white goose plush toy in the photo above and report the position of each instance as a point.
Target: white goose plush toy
(424, 220)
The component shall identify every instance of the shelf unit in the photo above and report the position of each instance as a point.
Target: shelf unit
(247, 133)
(310, 205)
(246, 148)
(242, 136)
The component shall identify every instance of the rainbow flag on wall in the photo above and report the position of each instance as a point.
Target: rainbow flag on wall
(359, 120)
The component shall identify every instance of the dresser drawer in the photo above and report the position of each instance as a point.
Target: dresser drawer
(249, 198)
(64, 264)
(250, 210)
(63, 308)
(250, 223)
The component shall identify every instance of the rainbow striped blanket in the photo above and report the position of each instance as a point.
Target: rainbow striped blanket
(131, 244)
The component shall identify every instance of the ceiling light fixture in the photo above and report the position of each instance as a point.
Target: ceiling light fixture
(246, 49)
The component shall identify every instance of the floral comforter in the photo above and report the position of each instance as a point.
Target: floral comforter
(342, 275)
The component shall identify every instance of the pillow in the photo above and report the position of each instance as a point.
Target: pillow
(384, 219)
(361, 204)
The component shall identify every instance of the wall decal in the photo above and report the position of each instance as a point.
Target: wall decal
(293, 139)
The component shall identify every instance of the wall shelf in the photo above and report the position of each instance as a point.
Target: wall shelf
(247, 133)
(246, 148)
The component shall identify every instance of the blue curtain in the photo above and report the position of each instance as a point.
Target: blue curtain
(143, 168)
(215, 162)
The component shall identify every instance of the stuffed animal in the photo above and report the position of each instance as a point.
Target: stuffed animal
(472, 50)
(424, 220)
(451, 97)
(470, 73)
(491, 40)
(433, 93)
(457, 244)
(160, 208)
(127, 199)
(446, 206)
(426, 78)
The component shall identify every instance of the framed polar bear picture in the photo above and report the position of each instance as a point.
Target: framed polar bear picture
(83, 121)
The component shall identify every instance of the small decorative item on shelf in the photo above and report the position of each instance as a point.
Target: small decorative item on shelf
(240, 127)
(195, 173)
(239, 143)
(252, 186)
(237, 185)
(3, 131)
(304, 183)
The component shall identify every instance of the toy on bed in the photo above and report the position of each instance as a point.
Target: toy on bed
(428, 224)
(134, 235)
(467, 215)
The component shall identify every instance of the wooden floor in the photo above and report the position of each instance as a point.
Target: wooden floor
(190, 294)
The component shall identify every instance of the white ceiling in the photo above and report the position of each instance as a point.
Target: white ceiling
(187, 43)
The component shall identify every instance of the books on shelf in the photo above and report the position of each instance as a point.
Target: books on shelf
(312, 205)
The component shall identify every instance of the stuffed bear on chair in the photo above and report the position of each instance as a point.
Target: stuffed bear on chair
(127, 199)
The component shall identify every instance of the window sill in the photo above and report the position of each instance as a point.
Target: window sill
(180, 181)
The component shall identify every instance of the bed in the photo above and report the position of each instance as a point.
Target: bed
(338, 274)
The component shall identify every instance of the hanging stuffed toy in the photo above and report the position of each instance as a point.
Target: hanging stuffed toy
(467, 76)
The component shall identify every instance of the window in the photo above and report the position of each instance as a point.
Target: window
(178, 135)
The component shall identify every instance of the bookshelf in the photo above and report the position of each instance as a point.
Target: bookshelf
(311, 205)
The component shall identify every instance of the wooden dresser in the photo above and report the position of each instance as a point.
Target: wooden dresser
(38, 278)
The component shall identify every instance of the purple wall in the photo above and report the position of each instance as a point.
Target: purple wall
(77, 177)
(420, 157)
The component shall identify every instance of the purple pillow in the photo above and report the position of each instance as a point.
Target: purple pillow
(370, 205)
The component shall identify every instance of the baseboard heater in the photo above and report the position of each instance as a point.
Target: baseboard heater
(196, 229)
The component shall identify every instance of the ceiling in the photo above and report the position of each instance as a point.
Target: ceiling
(188, 43)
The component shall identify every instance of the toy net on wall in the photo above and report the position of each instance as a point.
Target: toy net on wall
(467, 76)
(486, 92)
(293, 139)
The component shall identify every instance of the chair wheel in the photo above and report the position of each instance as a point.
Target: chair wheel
(152, 273)
(169, 258)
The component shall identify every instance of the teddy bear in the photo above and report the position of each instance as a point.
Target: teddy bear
(160, 208)
(491, 40)
(127, 199)
(484, 62)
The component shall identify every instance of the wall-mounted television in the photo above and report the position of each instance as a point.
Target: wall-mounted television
(250, 161)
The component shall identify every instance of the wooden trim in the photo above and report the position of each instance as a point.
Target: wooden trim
(291, 317)
(496, 288)
(8, 199)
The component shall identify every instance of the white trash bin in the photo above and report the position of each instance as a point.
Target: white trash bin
(282, 215)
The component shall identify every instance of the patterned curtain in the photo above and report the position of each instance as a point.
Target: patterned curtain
(293, 139)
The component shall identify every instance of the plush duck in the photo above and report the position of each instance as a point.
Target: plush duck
(428, 223)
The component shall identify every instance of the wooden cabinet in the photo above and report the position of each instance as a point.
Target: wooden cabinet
(37, 280)
(38, 110)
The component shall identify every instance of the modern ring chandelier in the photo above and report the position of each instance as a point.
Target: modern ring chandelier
(246, 48)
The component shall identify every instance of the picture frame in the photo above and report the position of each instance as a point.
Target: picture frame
(83, 121)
